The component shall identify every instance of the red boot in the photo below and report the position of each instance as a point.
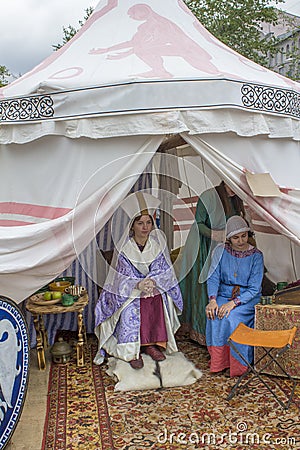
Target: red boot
(154, 352)
(137, 363)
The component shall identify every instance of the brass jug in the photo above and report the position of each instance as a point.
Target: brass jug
(61, 351)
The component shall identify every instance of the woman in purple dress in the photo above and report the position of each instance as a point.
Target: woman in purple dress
(234, 288)
(138, 306)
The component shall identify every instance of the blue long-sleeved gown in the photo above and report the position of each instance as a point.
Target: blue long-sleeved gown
(233, 268)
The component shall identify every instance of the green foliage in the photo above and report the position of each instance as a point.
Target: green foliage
(237, 23)
(4, 74)
(70, 31)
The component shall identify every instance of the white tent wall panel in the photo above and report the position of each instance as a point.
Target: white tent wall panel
(32, 255)
(282, 256)
(229, 158)
(196, 176)
(90, 270)
(260, 154)
(46, 168)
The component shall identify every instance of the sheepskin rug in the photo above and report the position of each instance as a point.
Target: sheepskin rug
(175, 370)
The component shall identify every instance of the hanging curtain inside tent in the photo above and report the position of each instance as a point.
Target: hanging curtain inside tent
(168, 183)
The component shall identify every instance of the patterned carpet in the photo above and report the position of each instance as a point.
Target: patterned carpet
(85, 413)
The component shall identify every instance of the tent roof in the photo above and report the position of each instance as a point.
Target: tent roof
(134, 58)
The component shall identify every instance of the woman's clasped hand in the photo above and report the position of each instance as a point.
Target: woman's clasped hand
(147, 286)
(213, 311)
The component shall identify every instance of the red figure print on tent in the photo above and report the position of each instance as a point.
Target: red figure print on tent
(158, 37)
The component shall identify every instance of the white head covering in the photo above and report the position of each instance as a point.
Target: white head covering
(140, 203)
(134, 205)
(235, 225)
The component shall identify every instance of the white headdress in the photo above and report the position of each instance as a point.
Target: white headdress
(236, 225)
(140, 203)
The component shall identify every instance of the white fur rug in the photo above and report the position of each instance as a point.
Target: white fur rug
(175, 370)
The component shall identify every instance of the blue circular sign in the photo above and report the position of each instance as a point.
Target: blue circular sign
(14, 367)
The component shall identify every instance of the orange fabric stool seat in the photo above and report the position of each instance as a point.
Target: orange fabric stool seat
(268, 340)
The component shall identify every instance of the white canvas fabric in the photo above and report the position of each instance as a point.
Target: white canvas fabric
(159, 49)
(78, 130)
(38, 239)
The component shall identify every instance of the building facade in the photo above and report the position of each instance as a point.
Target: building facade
(286, 60)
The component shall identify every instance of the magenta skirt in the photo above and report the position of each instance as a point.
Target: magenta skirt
(153, 327)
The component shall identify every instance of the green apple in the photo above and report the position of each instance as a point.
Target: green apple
(48, 295)
(56, 295)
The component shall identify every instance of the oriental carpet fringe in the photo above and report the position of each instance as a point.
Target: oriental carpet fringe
(84, 411)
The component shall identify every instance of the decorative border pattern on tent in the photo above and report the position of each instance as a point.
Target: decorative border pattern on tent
(27, 108)
(130, 98)
(271, 99)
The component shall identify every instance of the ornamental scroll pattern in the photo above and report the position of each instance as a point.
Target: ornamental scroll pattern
(27, 108)
(271, 99)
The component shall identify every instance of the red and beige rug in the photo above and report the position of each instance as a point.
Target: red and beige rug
(85, 412)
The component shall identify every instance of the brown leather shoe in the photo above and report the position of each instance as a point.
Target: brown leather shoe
(154, 352)
(226, 373)
(137, 363)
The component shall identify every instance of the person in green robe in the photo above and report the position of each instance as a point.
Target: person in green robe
(214, 207)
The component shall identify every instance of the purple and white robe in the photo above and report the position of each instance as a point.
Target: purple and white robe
(118, 308)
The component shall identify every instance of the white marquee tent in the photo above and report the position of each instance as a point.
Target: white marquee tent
(77, 131)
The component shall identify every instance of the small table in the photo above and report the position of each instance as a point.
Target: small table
(281, 317)
(38, 311)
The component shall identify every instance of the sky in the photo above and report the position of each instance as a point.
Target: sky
(29, 28)
(291, 6)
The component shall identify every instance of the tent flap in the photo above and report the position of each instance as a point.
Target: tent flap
(159, 123)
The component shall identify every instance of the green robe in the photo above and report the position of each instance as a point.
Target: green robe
(196, 260)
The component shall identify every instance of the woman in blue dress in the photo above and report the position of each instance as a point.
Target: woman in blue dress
(234, 288)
